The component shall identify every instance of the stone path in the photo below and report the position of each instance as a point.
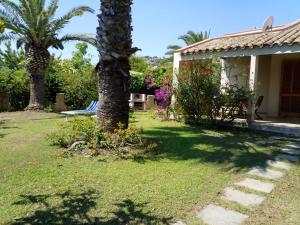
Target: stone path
(291, 151)
(242, 198)
(288, 157)
(266, 173)
(217, 215)
(278, 164)
(256, 185)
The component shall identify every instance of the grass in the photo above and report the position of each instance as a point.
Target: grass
(191, 169)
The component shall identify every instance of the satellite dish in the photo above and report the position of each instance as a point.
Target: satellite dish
(268, 24)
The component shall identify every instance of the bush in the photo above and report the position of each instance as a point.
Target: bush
(201, 98)
(74, 77)
(140, 72)
(138, 83)
(85, 132)
(16, 84)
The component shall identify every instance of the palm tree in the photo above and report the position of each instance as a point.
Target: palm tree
(189, 38)
(114, 42)
(32, 23)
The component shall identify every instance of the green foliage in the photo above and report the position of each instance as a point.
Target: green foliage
(78, 129)
(138, 82)
(14, 80)
(192, 37)
(139, 64)
(16, 85)
(10, 58)
(33, 22)
(140, 71)
(162, 74)
(75, 78)
(2, 26)
(189, 38)
(201, 98)
(95, 141)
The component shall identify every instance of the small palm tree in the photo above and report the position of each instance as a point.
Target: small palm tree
(114, 42)
(189, 38)
(32, 24)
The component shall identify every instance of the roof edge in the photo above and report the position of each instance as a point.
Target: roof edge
(243, 33)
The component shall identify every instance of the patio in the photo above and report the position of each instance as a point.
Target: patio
(283, 126)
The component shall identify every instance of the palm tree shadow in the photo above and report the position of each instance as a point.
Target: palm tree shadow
(235, 149)
(76, 209)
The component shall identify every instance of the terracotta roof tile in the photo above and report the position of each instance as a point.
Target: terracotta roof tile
(278, 36)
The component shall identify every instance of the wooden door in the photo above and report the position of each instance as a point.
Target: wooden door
(290, 89)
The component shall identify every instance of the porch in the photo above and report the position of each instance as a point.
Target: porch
(281, 126)
(275, 78)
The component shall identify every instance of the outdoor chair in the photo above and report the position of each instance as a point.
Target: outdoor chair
(91, 109)
(244, 106)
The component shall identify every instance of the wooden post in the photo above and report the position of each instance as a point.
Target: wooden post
(252, 87)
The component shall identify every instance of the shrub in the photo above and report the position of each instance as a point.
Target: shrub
(138, 83)
(139, 64)
(85, 132)
(162, 95)
(16, 84)
(201, 98)
(74, 77)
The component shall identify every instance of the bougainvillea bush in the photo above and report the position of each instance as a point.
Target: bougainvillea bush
(163, 95)
(202, 99)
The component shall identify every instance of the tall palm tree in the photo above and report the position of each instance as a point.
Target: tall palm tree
(189, 38)
(32, 23)
(114, 42)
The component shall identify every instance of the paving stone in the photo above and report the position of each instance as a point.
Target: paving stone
(178, 223)
(278, 164)
(216, 215)
(297, 146)
(256, 185)
(266, 173)
(288, 157)
(242, 198)
(291, 151)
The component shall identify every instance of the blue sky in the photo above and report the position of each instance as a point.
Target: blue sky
(158, 23)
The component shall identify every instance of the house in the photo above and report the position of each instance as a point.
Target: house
(265, 60)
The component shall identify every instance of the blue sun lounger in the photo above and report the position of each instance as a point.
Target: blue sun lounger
(91, 109)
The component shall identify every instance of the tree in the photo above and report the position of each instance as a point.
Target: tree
(32, 23)
(114, 42)
(139, 64)
(10, 58)
(189, 38)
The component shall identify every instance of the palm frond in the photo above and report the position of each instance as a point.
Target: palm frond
(53, 6)
(192, 37)
(6, 37)
(79, 37)
(33, 22)
(58, 24)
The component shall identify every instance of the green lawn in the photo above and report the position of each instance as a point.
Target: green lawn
(192, 168)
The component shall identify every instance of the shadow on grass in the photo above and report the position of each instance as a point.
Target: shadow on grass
(2, 122)
(75, 209)
(236, 149)
(58, 116)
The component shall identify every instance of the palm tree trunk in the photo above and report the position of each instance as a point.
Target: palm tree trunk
(37, 62)
(115, 47)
